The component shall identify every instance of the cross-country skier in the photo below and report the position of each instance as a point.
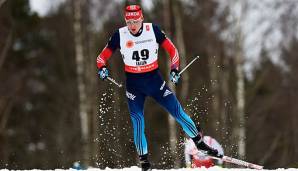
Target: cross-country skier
(195, 158)
(138, 43)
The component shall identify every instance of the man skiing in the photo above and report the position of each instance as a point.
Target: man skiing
(138, 43)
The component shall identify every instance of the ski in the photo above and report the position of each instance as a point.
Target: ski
(239, 162)
(233, 161)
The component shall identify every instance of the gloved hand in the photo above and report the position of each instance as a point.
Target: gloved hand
(103, 73)
(174, 76)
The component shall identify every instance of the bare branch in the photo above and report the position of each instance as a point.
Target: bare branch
(272, 148)
(4, 115)
(3, 54)
(2, 2)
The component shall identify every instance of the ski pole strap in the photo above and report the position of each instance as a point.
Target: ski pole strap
(239, 162)
(115, 82)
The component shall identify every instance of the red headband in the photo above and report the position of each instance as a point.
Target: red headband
(133, 12)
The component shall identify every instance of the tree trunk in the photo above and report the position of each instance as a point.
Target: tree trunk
(172, 123)
(185, 78)
(91, 80)
(215, 85)
(239, 129)
(80, 78)
(181, 49)
(225, 96)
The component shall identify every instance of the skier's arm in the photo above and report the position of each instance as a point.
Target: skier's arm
(106, 53)
(173, 52)
(167, 44)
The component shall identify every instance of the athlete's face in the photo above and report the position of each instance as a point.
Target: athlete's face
(134, 25)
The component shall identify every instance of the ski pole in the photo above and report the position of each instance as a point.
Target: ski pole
(197, 57)
(114, 81)
(239, 162)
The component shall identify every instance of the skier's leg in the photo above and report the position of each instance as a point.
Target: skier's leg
(168, 100)
(136, 108)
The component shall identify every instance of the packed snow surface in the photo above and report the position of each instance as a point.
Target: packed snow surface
(134, 168)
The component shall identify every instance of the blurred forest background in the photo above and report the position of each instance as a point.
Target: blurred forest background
(243, 90)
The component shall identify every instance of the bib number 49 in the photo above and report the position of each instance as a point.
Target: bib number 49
(144, 55)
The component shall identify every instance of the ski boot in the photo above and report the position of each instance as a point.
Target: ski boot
(145, 164)
(201, 145)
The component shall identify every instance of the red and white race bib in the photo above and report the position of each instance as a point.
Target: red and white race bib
(139, 52)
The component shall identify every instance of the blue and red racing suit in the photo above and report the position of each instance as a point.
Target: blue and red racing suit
(143, 78)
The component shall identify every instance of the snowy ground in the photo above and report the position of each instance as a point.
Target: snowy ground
(134, 168)
(200, 169)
